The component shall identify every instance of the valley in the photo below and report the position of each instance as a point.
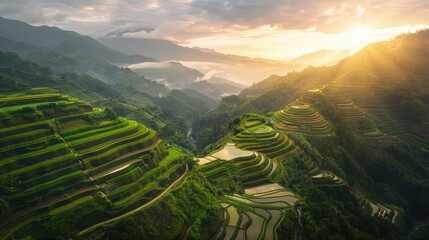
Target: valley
(123, 138)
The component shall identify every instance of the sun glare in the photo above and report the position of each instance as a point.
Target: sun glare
(359, 32)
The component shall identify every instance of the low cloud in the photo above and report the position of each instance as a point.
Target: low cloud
(208, 75)
(121, 32)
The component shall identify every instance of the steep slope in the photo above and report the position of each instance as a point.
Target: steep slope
(362, 129)
(64, 158)
(264, 172)
(252, 159)
(325, 57)
(387, 79)
(66, 43)
(387, 82)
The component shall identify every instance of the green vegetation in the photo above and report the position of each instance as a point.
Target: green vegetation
(299, 117)
(257, 214)
(68, 168)
(262, 207)
(190, 211)
(169, 115)
(345, 159)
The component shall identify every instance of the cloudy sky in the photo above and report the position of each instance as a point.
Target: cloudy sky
(279, 29)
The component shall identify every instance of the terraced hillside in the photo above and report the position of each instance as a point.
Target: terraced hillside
(264, 150)
(252, 160)
(321, 177)
(379, 137)
(372, 111)
(365, 97)
(301, 118)
(419, 137)
(377, 104)
(253, 168)
(342, 102)
(396, 114)
(378, 210)
(36, 105)
(385, 120)
(265, 140)
(257, 213)
(67, 159)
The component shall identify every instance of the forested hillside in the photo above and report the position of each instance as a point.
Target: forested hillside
(339, 152)
(362, 126)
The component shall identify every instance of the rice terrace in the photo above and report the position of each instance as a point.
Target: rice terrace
(207, 120)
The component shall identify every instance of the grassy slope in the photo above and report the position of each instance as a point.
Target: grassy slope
(53, 192)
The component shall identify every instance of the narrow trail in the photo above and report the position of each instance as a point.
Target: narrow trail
(299, 230)
(137, 209)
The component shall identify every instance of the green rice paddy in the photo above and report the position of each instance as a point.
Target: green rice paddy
(66, 154)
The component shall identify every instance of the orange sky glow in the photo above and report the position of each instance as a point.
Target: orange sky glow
(288, 44)
(276, 29)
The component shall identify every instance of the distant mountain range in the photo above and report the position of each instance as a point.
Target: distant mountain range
(175, 75)
(205, 71)
(237, 68)
(67, 51)
(165, 50)
(233, 67)
(325, 57)
(62, 42)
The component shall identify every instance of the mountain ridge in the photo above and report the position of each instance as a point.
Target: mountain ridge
(324, 57)
(51, 38)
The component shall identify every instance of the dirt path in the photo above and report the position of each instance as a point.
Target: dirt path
(299, 230)
(137, 209)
